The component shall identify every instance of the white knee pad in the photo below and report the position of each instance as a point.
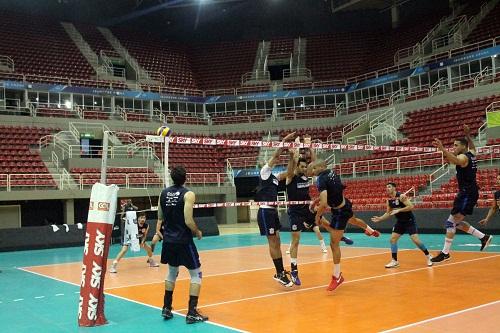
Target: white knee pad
(172, 274)
(451, 225)
(195, 275)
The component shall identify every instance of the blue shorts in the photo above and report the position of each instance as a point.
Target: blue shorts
(180, 254)
(402, 227)
(341, 216)
(465, 202)
(301, 219)
(269, 221)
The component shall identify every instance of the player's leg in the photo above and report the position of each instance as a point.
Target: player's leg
(172, 273)
(396, 234)
(294, 249)
(320, 238)
(269, 226)
(192, 263)
(120, 255)
(154, 241)
(416, 239)
(368, 230)
(484, 238)
(149, 251)
(337, 279)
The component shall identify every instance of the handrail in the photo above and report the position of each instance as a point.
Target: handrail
(432, 178)
(55, 160)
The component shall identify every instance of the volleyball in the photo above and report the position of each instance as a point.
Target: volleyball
(164, 131)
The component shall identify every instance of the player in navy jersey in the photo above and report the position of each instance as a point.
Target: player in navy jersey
(267, 215)
(400, 206)
(142, 228)
(495, 203)
(463, 156)
(175, 211)
(332, 194)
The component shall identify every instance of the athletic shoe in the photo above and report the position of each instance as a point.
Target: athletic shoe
(429, 260)
(441, 257)
(166, 313)
(113, 269)
(324, 249)
(195, 317)
(392, 264)
(335, 283)
(347, 240)
(294, 275)
(375, 233)
(153, 263)
(288, 251)
(283, 279)
(485, 241)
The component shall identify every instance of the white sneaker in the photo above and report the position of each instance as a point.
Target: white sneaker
(429, 260)
(113, 269)
(288, 251)
(153, 263)
(324, 249)
(392, 264)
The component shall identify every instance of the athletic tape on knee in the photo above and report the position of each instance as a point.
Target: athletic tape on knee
(195, 275)
(172, 274)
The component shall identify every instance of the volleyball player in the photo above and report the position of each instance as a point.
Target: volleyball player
(332, 194)
(400, 206)
(463, 156)
(267, 216)
(143, 229)
(175, 209)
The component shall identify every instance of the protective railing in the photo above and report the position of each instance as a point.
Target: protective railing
(255, 75)
(7, 62)
(296, 72)
(364, 139)
(440, 86)
(395, 164)
(83, 181)
(454, 35)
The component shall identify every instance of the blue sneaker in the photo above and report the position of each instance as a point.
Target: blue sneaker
(347, 240)
(294, 275)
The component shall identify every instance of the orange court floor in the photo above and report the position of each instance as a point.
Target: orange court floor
(239, 294)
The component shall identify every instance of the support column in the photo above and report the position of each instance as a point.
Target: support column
(69, 211)
(395, 15)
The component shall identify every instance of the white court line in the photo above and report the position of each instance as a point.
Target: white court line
(252, 270)
(38, 297)
(127, 299)
(176, 312)
(351, 281)
(440, 317)
(18, 300)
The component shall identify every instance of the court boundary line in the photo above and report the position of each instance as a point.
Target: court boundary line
(440, 317)
(253, 270)
(130, 300)
(347, 282)
(227, 248)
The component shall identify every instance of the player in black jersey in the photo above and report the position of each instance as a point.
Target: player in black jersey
(175, 209)
(142, 229)
(463, 156)
(267, 215)
(400, 206)
(332, 194)
(495, 203)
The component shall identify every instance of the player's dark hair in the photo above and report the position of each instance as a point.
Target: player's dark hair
(141, 214)
(463, 141)
(301, 160)
(392, 184)
(178, 175)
